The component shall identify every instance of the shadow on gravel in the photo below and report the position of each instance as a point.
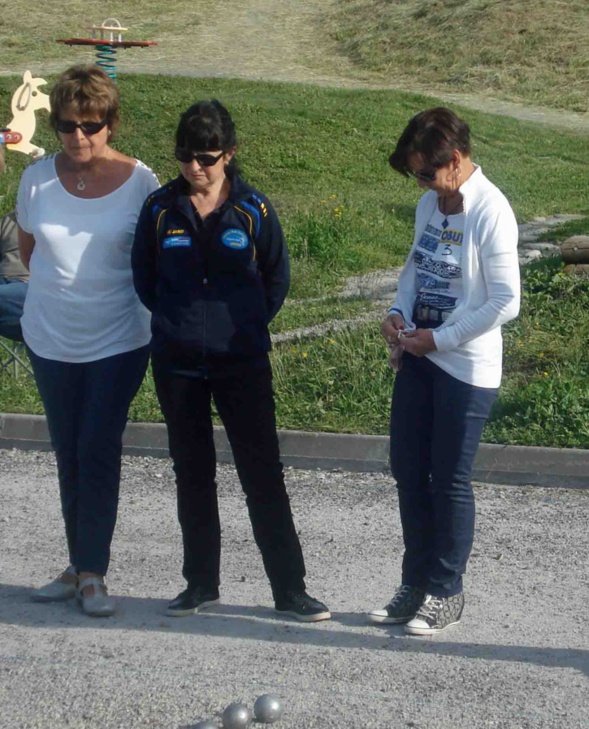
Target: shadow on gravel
(261, 623)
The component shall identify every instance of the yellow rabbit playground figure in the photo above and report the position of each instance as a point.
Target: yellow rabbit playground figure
(26, 100)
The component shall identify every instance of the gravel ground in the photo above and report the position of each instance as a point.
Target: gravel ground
(520, 657)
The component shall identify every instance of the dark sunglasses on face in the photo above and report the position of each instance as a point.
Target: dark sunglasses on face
(425, 175)
(66, 126)
(203, 159)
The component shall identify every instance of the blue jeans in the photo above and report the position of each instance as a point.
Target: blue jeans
(436, 426)
(12, 299)
(86, 404)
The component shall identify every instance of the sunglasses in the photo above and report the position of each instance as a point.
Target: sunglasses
(425, 175)
(66, 126)
(203, 159)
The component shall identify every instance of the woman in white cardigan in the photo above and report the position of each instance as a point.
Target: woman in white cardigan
(459, 285)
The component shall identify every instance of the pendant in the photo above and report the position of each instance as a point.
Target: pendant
(81, 184)
(445, 223)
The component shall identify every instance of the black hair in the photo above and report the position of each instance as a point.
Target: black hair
(207, 126)
(434, 134)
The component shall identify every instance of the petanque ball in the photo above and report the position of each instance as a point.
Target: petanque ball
(268, 708)
(237, 716)
(206, 724)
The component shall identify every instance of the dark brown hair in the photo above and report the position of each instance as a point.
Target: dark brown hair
(434, 134)
(88, 92)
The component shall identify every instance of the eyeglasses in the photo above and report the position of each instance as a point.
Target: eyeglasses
(67, 126)
(424, 174)
(203, 159)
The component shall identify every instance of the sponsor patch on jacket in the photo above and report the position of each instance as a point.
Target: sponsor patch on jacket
(235, 238)
(176, 241)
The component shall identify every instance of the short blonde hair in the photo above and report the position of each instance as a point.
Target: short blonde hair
(89, 92)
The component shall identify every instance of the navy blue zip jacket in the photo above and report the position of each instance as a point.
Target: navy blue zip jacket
(212, 286)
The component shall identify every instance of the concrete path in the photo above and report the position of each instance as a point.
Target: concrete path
(520, 657)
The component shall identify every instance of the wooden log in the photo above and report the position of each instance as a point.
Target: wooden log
(575, 249)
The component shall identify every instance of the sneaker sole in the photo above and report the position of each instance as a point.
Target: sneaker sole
(191, 611)
(386, 620)
(304, 618)
(428, 631)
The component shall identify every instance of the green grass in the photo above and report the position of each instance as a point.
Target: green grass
(321, 156)
(531, 50)
(545, 394)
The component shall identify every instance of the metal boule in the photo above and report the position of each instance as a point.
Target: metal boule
(237, 716)
(268, 708)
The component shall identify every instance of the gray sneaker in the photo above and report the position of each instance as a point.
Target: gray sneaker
(62, 588)
(98, 605)
(436, 614)
(402, 607)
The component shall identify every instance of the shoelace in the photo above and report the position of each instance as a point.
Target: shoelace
(403, 592)
(430, 606)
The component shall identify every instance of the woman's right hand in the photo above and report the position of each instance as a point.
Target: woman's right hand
(390, 328)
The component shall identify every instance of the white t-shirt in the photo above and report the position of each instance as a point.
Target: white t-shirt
(438, 261)
(81, 304)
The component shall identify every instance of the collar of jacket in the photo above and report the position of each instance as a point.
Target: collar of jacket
(177, 191)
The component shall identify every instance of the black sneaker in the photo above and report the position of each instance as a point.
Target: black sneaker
(435, 614)
(301, 606)
(403, 606)
(192, 600)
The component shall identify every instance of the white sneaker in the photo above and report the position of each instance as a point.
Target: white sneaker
(436, 614)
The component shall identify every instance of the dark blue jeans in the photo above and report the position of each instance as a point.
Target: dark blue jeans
(12, 299)
(436, 426)
(245, 403)
(86, 404)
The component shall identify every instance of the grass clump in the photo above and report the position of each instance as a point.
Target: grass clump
(339, 383)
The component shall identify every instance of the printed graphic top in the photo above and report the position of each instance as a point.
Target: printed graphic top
(437, 260)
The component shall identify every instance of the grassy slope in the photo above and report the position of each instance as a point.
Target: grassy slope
(320, 154)
(533, 50)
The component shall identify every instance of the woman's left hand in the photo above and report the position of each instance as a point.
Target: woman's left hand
(418, 342)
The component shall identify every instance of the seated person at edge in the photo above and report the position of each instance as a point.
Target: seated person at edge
(13, 280)
(211, 264)
(13, 275)
(459, 285)
(86, 332)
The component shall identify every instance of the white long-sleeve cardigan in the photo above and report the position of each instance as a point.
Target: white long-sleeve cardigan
(469, 343)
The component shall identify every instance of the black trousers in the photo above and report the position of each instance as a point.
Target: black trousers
(245, 403)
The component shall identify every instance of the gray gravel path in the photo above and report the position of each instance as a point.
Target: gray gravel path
(520, 657)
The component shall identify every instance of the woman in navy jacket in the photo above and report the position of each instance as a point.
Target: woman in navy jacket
(211, 264)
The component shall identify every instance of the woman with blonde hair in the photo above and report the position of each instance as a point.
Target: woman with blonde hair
(85, 329)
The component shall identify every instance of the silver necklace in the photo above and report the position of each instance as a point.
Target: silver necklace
(81, 184)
